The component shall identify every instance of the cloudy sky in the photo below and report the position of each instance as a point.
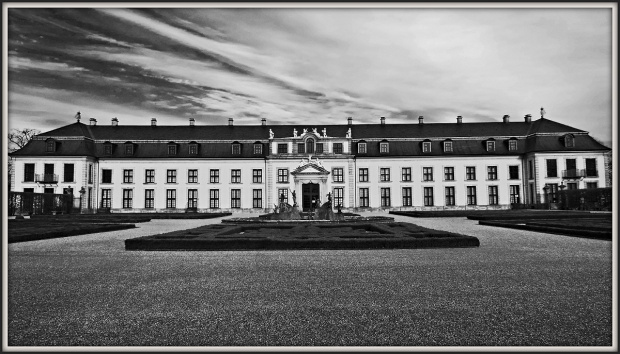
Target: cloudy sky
(321, 65)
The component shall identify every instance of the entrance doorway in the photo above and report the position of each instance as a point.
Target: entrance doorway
(310, 196)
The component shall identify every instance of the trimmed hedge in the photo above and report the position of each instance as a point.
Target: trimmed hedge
(554, 228)
(56, 231)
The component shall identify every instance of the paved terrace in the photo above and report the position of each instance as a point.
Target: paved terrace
(519, 288)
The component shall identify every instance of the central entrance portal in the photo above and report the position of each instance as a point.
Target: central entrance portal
(310, 196)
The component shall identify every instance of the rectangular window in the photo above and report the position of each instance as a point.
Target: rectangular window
(214, 176)
(384, 148)
(192, 198)
(236, 149)
(470, 173)
(69, 173)
(493, 195)
(214, 198)
(385, 197)
(591, 185)
(149, 198)
(171, 176)
(193, 149)
(384, 174)
(530, 169)
(552, 168)
(364, 197)
(338, 174)
(192, 176)
(107, 149)
(571, 186)
(490, 146)
(513, 172)
(257, 198)
(282, 148)
(172, 149)
(90, 173)
(106, 176)
(50, 146)
(406, 173)
(235, 198)
(337, 148)
(319, 148)
(363, 174)
(127, 176)
(127, 198)
(471, 195)
(257, 176)
(171, 198)
(512, 145)
(149, 176)
(128, 149)
(258, 149)
(447, 146)
(106, 198)
(338, 197)
(426, 146)
(427, 173)
(448, 173)
(491, 172)
(361, 148)
(591, 168)
(282, 175)
(407, 196)
(283, 195)
(301, 148)
(29, 172)
(235, 176)
(553, 192)
(428, 196)
(450, 196)
(28, 190)
(515, 194)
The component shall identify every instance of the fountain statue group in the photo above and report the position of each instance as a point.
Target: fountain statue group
(285, 211)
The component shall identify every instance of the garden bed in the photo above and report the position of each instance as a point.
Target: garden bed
(598, 228)
(295, 236)
(501, 214)
(27, 230)
(136, 216)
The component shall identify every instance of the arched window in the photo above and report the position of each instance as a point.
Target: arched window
(50, 145)
(569, 140)
(310, 146)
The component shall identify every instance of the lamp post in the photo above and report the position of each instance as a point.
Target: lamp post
(546, 191)
(82, 191)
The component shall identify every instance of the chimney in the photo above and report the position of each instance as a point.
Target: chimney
(114, 121)
(153, 122)
(459, 119)
(528, 118)
(382, 120)
(263, 121)
(350, 121)
(93, 121)
(192, 121)
(421, 119)
(230, 122)
(506, 118)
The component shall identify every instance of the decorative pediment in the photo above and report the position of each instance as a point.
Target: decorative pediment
(309, 166)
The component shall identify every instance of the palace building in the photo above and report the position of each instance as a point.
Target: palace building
(420, 166)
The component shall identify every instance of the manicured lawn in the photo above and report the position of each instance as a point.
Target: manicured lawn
(301, 235)
(519, 288)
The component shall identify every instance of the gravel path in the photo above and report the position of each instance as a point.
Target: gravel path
(519, 288)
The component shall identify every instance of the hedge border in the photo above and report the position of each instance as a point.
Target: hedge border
(70, 232)
(600, 235)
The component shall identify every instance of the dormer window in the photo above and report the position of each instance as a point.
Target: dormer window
(50, 145)
(490, 145)
(107, 148)
(236, 148)
(129, 148)
(258, 148)
(193, 148)
(512, 144)
(361, 147)
(426, 146)
(172, 149)
(384, 147)
(310, 146)
(447, 146)
(569, 140)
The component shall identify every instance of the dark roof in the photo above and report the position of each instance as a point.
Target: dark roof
(479, 132)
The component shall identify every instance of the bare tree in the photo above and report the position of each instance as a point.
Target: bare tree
(17, 140)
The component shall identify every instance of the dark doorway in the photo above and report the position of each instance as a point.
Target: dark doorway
(310, 196)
